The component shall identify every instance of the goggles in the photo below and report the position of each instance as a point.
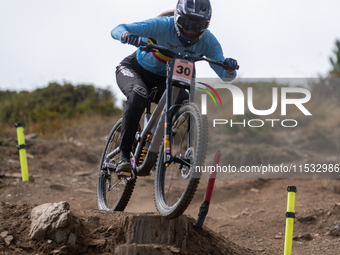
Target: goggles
(191, 25)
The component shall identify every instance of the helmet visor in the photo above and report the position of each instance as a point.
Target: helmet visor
(191, 25)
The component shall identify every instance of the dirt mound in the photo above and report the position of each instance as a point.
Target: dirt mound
(100, 233)
(246, 216)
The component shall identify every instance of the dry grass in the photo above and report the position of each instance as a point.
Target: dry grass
(314, 137)
(84, 127)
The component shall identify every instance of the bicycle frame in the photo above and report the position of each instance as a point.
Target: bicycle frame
(163, 112)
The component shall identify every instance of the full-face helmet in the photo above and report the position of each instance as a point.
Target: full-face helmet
(194, 16)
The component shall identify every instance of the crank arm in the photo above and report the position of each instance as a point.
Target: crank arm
(180, 161)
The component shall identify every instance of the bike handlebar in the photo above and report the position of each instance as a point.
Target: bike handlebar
(167, 51)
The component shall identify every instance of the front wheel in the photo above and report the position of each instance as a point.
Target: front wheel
(113, 194)
(176, 184)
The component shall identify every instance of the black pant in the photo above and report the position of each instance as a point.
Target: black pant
(135, 82)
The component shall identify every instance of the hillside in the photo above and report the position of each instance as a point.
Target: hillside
(247, 213)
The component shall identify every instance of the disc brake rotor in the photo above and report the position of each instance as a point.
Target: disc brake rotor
(189, 156)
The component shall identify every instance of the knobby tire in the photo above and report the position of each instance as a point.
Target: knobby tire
(162, 193)
(124, 195)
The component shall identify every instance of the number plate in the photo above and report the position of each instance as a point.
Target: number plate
(183, 70)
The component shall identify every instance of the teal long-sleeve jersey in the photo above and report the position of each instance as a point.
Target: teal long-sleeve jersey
(163, 31)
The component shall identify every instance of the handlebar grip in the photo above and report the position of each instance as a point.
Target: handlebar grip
(142, 43)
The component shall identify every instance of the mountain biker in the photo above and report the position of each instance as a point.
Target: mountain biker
(185, 32)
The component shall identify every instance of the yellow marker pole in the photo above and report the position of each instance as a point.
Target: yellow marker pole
(290, 215)
(22, 150)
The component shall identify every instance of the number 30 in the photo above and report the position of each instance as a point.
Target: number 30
(181, 69)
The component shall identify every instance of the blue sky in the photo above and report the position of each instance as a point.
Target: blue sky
(43, 41)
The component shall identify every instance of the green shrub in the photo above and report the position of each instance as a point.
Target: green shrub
(54, 103)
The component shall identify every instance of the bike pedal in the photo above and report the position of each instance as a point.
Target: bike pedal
(123, 174)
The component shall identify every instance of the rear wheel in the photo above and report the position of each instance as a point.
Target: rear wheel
(113, 194)
(176, 184)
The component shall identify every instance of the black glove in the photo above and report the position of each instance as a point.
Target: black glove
(133, 39)
(230, 64)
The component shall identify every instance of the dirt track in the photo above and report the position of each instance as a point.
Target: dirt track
(250, 213)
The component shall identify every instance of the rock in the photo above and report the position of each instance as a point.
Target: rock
(245, 212)
(174, 249)
(335, 230)
(4, 234)
(72, 239)
(309, 218)
(53, 221)
(254, 190)
(8, 239)
(305, 237)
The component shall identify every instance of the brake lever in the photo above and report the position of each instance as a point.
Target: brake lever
(146, 49)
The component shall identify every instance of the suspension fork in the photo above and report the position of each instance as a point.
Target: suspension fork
(168, 120)
(191, 128)
(171, 95)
